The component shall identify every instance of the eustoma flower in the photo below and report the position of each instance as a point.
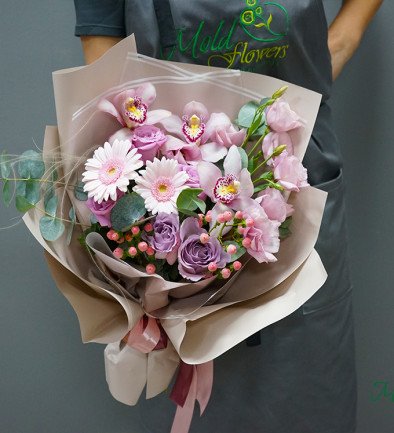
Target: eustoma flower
(160, 185)
(201, 136)
(194, 257)
(130, 107)
(281, 118)
(110, 170)
(289, 172)
(274, 205)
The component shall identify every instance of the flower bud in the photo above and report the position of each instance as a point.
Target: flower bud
(150, 269)
(208, 217)
(247, 242)
(239, 215)
(212, 267)
(118, 253)
(231, 249)
(150, 251)
(133, 251)
(225, 273)
(143, 246)
(204, 238)
(148, 227)
(135, 230)
(249, 222)
(237, 265)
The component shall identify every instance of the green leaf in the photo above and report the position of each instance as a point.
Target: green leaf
(51, 228)
(246, 114)
(264, 101)
(261, 188)
(188, 200)
(31, 165)
(244, 157)
(251, 165)
(240, 250)
(128, 210)
(268, 175)
(188, 212)
(22, 204)
(79, 193)
(21, 188)
(32, 191)
(73, 218)
(5, 166)
(284, 229)
(7, 193)
(51, 206)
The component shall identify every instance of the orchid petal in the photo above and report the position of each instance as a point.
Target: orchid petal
(172, 124)
(208, 174)
(217, 120)
(121, 135)
(147, 93)
(196, 108)
(213, 152)
(232, 163)
(107, 107)
(246, 187)
(156, 116)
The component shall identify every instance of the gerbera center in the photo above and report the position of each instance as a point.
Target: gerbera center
(226, 188)
(111, 171)
(163, 189)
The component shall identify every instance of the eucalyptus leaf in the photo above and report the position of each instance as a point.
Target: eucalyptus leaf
(188, 200)
(22, 204)
(21, 187)
(5, 166)
(127, 211)
(31, 165)
(239, 253)
(51, 228)
(264, 101)
(51, 206)
(72, 217)
(32, 191)
(79, 193)
(244, 157)
(246, 114)
(188, 212)
(7, 193)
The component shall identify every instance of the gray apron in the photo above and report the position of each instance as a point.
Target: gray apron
(301, 378)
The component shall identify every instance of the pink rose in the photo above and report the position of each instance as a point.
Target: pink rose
(289, 172)
(148, 139)
(274, 205)
(102, 211)
(281, 118)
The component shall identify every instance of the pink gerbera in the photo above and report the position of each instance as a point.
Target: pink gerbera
(111, 169)
(160, 185)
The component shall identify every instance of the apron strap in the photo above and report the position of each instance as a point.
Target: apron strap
(165, 22)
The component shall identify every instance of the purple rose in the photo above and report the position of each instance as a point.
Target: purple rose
(194, 256)
(194, 179)
(165, 239)
(102, 211)
(148, 139)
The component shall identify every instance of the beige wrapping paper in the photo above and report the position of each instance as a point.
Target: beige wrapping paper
(201, 324)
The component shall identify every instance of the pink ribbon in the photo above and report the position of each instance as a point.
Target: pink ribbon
(194, 382)
(146, 336)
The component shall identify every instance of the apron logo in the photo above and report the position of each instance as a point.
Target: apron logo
(259, 24)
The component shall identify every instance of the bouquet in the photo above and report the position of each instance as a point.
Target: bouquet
(172, 204)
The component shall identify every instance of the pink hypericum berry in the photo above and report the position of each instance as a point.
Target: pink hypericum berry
(249, 222)
(208, 217)
(221, 218)
(150, 251)
(231, 249)
(120, 241)
(247, 242)
(239, 215)
(204, 238)
(118, 253)
(212, 267)
(133, 251)
(225, 273)
(135, 230)
(241, 230)
(148, 227)
(228, 216)
(237, 265)
(150, 269)
(143, 246)
(112, 235)
(128, 237)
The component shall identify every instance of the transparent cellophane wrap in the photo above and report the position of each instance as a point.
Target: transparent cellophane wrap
(204, 319)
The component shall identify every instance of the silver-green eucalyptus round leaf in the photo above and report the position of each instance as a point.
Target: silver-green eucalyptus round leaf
(31, 165)
(127, 211)
(51, 228)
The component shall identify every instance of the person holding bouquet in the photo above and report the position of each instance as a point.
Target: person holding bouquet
(299, 376)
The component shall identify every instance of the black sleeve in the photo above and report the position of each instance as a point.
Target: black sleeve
(100, 18)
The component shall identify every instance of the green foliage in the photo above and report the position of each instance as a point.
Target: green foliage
(22, 204)
(7, 193)
(240, 250)
(188, 201)
(127, 211)
(79, 193)
(73, 220)
(31, 165)
(244, 157)
(246, 114)
(51, 206)
(284, 229)
(51, 228)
